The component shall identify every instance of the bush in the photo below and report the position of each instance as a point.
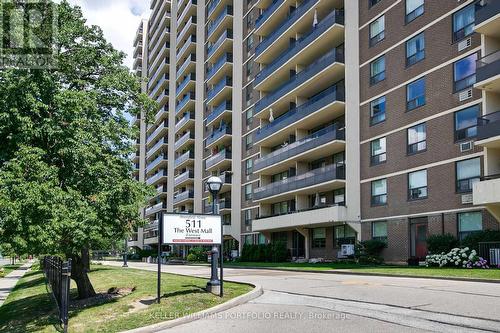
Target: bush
(273, 252)
(369, 252)
(465, 258)
(197, 254)
(472, 241)
(437, 244)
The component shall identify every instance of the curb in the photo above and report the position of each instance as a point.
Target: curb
(256, 292)
(372, 274)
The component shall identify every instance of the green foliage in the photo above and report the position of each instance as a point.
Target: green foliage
(472, 241)
(437, 244)
(197, 254)
(272, 252)
(369, 252)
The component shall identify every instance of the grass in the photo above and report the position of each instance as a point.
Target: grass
(493, 274)
(30, 308)
(9, 268)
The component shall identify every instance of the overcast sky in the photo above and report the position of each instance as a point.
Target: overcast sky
(118, 19)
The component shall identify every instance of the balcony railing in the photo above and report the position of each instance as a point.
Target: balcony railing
(218, 110)
(321, 137)
(153, 150)
(183, 177)
(160, 128)
(189, 194)
(191, 39)
(335, 55)
(217, 158)
(228, 34)
(192, 20)
(187, 117)
(158, 84)
(189, 59)
(486, 9)
(184, 101)
(183, 139)
(153, 179)
(183, 158)
(188, 78)
(488, 66)
(337, 16)
(226, 12)
(225, 82)
(217, 134)
(211, 6)
(287, 23)
(155, 208)
(310, 178)
(156, 162)
(268, 12)
(226, 58)
(315, 103)
(488, 126)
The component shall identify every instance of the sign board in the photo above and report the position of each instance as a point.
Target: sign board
(194, 229)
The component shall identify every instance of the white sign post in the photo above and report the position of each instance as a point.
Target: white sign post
(183, 229)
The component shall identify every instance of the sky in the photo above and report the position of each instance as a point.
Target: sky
(118, 19)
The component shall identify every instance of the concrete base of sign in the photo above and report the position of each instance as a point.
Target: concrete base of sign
(213, 288)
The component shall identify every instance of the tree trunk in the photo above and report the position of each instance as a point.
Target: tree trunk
(79, 274)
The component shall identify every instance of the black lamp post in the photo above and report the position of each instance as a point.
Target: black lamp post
(125, 254)
(214, 185)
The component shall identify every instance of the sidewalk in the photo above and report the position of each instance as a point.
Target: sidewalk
(9, 282)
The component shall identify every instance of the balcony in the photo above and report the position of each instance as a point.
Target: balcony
(189, 42)
(155, 179)
(183, 196)
(226, 59)
(487, 193)
(157, 163)
(324, 142)
(325, 106)
(185, 65)
(219, 112)
(159, 131)
(224, 39)
(184, 121)
(181, 160)
(189, 8)
(488, 18)
(160, 85)
(217, 159)
(215, 94)
(184, 177)
(217, 135)
(155, 208)
(184, 140)
(156, 148)
(322, 71)
(305, 218)
(488, 130)
(313, 181)
(225, 15)
(268, 12)
(303, 46)
(185, 84)
(159, 116)
(488, 72)
(189, 25)
(224, 204)
(162, 98)
(307, 5)
(184, 102)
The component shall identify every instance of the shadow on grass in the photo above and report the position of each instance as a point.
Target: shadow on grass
(184, 292)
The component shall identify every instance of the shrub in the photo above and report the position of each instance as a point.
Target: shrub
(465, 258)
(197, 254)
(273, 252)
(437, 244)
(191, 257)
(472, 241)
(369, 252)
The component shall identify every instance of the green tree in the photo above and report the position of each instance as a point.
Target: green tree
(66, 182)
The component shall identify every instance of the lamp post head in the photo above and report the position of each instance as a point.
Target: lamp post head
(214, 185)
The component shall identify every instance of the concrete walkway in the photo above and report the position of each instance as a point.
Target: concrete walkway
(8, 282)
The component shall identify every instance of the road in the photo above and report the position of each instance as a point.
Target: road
(319, 302)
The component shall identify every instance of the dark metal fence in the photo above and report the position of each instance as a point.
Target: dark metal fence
(58, 275)
(485, 251)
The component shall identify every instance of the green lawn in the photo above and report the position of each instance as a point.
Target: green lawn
(384, 269)
(29, 307)
(9, 268)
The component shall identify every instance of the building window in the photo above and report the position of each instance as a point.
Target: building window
(414, 8)
(248, 93)
(248, 192)
(319, 237)
(339, 197)
(377, 111)
(377, 30)
(469, 223)
(281, 208)
(378, 151)
(463, 22)
(344, 234)
(464, 72)
(249, 68)
(415, 94)
(250, 41)
(417, 139)
(377, 70)
(466, 123)
(379, 192)
(249, 167)
(248, 217)
(417, 185)
(379, 231)
(373, 2)
(415, 50)
(248, 141)
(468, 173)
(249, 117)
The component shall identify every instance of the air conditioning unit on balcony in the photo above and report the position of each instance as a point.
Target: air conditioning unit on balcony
(465, 95)
(466, 146)
(464, 44)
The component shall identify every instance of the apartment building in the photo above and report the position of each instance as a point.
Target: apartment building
(329, 121)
